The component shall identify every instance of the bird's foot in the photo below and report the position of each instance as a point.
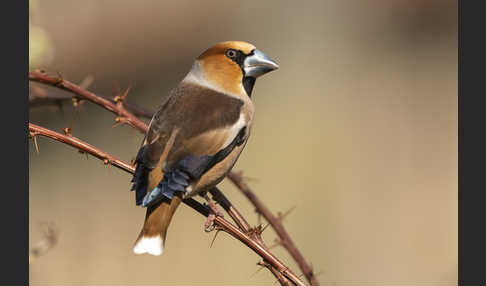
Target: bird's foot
(209, 224)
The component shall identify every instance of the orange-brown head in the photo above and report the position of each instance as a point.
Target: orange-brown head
(233, 66)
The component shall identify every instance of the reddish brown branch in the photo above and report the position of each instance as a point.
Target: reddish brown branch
(117, 108)
(36, 100)
(277, 267)
(276, 224)
(82, 146)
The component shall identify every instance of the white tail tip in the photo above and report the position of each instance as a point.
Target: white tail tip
(151, 245)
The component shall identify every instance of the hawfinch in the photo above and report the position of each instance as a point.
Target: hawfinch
(196, 135)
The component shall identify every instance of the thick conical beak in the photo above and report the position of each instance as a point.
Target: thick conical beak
(257, 64)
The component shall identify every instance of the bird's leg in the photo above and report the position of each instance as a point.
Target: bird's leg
(212, 205)
(209, 224)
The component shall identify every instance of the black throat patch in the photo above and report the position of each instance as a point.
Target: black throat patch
(248, 83)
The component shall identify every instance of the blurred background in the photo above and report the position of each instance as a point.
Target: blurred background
(357, 130)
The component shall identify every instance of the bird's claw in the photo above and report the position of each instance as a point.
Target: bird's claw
(209, 224)
(214, 212)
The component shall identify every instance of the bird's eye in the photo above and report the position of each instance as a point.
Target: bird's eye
(230, 53)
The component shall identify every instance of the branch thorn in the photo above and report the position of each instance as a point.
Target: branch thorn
(261, 266)
(83, 152)
(215, 235)
(265, 227)
(118, 121)
(67, 131)
(35, 143)
(59, 79)
(75, 101)
(281, 216)
(277, 242)
(86, 82)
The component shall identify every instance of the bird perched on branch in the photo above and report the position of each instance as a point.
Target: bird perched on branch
(196, 135)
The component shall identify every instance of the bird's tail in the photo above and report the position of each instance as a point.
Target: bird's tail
(152, 237)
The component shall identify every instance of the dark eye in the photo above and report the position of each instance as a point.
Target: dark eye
(230, 53)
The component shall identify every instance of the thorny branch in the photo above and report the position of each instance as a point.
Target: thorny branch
(247, 238)
(39, 97)
(242, 231)
(116, 106)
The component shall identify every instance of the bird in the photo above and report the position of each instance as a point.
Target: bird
(196, 135)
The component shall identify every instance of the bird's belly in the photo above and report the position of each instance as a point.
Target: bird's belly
(216, 174)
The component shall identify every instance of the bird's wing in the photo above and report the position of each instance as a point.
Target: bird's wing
(195, 127)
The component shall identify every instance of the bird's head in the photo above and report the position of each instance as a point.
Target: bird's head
(232, 65)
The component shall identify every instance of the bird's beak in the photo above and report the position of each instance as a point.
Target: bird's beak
(257, 64)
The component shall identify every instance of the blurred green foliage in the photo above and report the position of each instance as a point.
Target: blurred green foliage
(41, 47)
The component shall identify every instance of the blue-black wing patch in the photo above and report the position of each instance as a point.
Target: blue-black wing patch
(140, 177)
